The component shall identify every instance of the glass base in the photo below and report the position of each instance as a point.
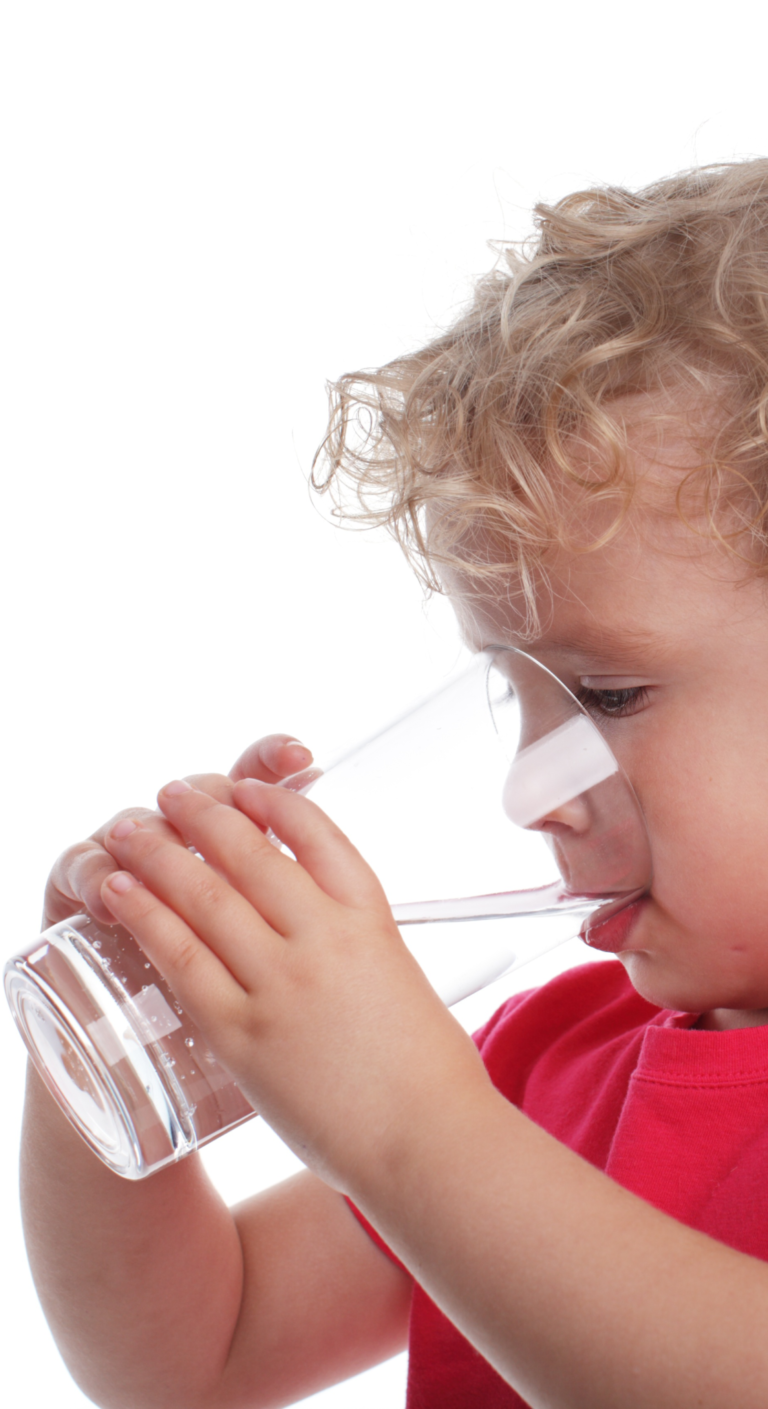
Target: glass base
(115, 1049)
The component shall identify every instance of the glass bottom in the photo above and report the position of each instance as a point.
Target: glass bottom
(115, 1049)
(71, 1073)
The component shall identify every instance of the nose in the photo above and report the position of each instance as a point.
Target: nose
(573, 816)
(547, 780)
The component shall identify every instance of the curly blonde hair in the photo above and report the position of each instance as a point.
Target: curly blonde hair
(616, 294)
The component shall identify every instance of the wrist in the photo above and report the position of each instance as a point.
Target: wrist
(398, 1178)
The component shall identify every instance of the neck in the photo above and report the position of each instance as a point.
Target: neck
(728, 1019)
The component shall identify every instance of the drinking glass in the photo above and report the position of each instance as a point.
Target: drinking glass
(499, 823)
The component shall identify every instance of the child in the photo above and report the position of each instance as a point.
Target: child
(579, 1218)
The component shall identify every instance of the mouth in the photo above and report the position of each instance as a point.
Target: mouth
(614, 934)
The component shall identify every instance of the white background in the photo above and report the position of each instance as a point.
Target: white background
(207, 210)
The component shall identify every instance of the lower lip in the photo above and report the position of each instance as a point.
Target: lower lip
(613, 935)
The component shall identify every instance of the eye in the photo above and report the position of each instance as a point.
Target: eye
(613, 704)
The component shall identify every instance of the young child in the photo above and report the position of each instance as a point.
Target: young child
(578, 1216)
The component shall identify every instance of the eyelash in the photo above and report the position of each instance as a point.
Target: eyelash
(612, 704)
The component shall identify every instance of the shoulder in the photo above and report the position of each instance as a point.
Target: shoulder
(585, 1011)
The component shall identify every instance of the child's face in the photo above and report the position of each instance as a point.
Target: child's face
(669, 624)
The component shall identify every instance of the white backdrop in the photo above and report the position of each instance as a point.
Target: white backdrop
(207, 211)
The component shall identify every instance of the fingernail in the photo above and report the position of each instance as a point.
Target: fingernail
(177, 788)
(123, 829)
(273, 755)
(121, 881)
(300, 748)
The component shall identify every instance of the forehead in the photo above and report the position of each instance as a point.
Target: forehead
(649, 581)
(648, 594)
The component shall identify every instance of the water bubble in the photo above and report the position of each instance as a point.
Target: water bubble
(97, 944)
(189, 1041)
(178, 1008)
(144, 987)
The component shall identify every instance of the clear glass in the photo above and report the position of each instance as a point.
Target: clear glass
(116, 1050)
(497, 798)
(497, 819)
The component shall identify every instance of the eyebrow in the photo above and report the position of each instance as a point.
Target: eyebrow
(621, 646)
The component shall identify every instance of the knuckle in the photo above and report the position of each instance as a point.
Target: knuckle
(68, 867)
(319, 830)
(70, 854)
(185, 954)
(258, 861)
(217, 785)
(205, 890)
(145, 842)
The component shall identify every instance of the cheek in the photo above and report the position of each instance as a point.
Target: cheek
(706, 805)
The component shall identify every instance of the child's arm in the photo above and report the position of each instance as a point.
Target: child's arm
(578, 1292)
(157, 1294)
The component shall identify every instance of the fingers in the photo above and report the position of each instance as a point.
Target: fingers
(205, 925)
(200, 906)
(78, 874)
(215, 784)
(200, 979)
(284, 893)
(279, 890)
(321, 848)
(75, 884)
(272, 758)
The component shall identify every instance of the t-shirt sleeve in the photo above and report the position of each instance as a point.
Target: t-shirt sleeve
(505, 1011)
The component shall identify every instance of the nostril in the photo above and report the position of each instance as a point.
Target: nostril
(572, 818)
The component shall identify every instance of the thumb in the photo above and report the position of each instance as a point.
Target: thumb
(271, 759)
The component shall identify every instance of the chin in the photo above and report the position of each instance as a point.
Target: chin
(657, 985)
(686, 993)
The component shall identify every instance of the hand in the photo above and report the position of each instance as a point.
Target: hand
(77, 876)
(295, 971)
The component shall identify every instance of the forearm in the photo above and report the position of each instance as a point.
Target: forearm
(580, 1294)
(140, 1282)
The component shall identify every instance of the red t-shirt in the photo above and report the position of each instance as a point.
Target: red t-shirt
(678, 1116)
